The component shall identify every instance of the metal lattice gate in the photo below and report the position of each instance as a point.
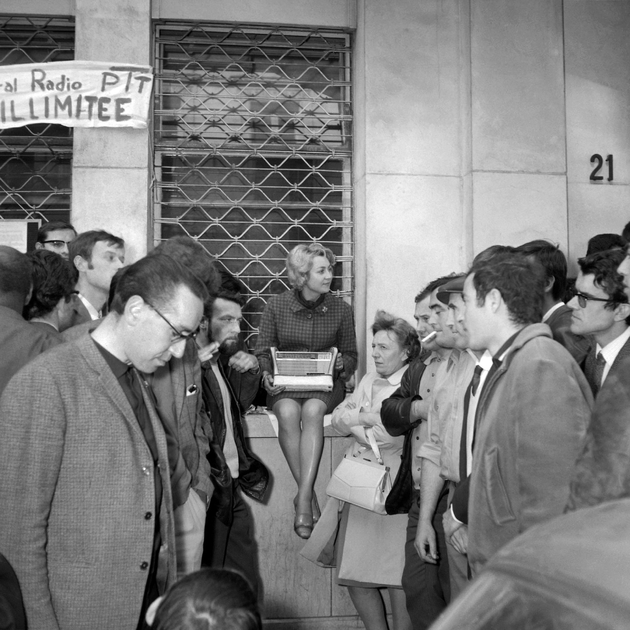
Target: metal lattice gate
(36, 161)
(253, 147)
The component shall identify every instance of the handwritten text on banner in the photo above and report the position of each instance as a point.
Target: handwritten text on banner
(75, 94)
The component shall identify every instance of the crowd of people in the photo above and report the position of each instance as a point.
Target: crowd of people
(123, 457)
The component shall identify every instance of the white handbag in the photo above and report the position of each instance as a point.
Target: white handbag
(362, 479)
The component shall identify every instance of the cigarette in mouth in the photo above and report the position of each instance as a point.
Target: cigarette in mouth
(429, 337)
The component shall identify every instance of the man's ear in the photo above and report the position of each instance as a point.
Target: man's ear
(80, 263)
(39, 246)
(494, 300)
(622, 311)
(549, 284)
(135, 309)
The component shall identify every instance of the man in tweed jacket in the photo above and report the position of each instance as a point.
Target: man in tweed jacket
(86, 514)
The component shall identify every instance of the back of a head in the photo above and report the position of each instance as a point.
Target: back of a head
(84, 243)
(53, 277)
(192, 255)
(604, 242)
(15, 275)
(519, 279)
(155, 279)
(210, 599)
(553, 261)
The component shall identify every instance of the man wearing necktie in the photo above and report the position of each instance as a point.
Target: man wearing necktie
(602, 473)
(600, 309)
(87, 509)
(533, 410)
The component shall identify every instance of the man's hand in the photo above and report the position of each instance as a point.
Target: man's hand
(243, 362)
(450, 524)
(425, 543)
(206, 353)
(419, 410)
(459, 539)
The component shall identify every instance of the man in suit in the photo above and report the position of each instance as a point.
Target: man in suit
(556, 314)
(87, 512)
(97, 255)
(602, 472)
(600, 309)
(231, 378)
(405, 412)
(533, 411)
(19, 340)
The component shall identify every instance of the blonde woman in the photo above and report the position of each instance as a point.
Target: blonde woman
(306, 318)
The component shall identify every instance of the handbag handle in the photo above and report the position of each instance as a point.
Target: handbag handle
(369, 434)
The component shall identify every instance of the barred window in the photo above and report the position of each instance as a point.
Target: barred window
(253, 148)
(36, 161)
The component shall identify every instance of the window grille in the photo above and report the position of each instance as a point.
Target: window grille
(253, 147)
(36, 161)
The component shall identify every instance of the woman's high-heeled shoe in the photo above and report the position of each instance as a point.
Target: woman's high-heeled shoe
(303, 525)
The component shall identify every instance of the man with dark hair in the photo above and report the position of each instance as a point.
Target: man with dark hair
(55, 237)
(625, 234)
(600, 309)
(97, 255)
(50, 306)
(19, 340)
(602, 472)
(87, 512)
(556, 314)
(177, 388)
(425, 582)
(533, 412)
(231, 378)
(604, 242)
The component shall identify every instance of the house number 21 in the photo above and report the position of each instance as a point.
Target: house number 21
(597, 159)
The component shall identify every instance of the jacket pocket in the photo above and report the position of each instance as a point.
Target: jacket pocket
(498, 498)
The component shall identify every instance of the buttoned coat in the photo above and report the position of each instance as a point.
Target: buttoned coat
(531, 425)
(77, 497)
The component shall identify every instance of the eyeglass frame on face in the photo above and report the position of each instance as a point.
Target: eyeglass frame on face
(56, 242)
(179, 335)
(584, 299)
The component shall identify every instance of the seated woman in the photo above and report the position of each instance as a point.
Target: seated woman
(306, 318)
(213, 599)
(371, 547)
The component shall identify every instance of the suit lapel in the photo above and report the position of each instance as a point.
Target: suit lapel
(623, 353)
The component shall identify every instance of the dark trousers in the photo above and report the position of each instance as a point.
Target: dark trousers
(426, 586)
(232, 546)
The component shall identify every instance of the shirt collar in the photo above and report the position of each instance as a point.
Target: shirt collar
(117, 366)
(94, 314)
(611, 350)
(396, 377)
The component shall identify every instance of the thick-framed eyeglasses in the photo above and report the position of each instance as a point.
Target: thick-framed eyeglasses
(584, 299)
(57, 244)
(179, 335)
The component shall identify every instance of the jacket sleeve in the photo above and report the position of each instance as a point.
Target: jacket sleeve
(552, 414)
(347, 342)
(245, 385)
(396, 409)
(267, 337)
(31, 451)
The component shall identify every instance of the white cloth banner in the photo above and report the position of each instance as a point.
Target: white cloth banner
(75, 94)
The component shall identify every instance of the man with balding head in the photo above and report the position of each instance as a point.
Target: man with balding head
(19, 340)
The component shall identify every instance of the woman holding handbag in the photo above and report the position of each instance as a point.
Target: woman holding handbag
(371, 546)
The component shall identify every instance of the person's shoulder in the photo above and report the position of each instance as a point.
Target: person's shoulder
(336, 303)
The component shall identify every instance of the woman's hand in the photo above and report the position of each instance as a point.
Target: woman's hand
(339, 367)
(267, 383)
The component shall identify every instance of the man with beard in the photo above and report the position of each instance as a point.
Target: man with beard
(231, 377)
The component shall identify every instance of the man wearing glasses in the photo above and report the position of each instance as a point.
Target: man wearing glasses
(55, 237)
(600, 309)
(87, 511)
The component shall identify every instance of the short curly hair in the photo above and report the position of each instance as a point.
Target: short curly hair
(300, 262)
(404, 333)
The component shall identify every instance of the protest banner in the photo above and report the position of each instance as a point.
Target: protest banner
(75, 94)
